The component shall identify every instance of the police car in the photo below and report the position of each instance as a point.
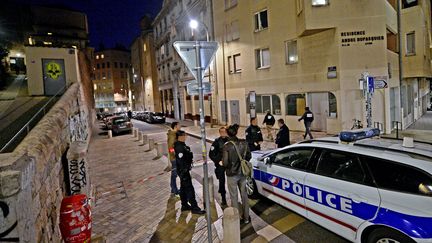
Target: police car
(367, 190)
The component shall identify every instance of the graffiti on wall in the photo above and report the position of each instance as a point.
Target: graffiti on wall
(7, 228)
(78, 126)
(77, 176)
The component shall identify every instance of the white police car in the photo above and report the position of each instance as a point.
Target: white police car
(373, 190)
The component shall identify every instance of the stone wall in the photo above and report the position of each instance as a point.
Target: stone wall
(33, 177)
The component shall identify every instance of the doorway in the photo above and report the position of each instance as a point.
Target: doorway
(53, 76)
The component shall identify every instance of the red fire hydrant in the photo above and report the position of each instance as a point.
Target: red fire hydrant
(75, 219)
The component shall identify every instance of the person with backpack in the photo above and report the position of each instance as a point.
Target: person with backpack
(235, 155)
(308, 118)
(254, 136)
(215, 154)
(269, 122)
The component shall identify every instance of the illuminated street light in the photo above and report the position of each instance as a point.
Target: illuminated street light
(193, 24)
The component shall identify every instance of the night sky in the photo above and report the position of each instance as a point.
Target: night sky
(110, 21)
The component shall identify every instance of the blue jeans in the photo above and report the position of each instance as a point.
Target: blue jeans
(173, 183)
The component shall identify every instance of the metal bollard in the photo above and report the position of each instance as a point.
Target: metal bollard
(231, 225)
(211, 188)
(151, 144)
(144, 139)
(109, 133)
(162, 149)
(135, 132)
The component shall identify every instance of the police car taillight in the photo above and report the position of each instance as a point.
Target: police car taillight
(355, 135)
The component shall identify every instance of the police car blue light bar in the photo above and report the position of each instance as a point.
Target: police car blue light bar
(355, 135)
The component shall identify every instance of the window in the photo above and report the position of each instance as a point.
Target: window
(108, 64)
(97, 56)
(103, 65)
(332, 105)
(297, 158)
(262, 58)
(398, 177)
(230, 3)
(266, 102)
(121, 65)
(102, 56)
(320, 2)
(98, 66)
(109, 75)
(410, 43)
(295, 104)
(234, 64)
(103, 75)
(145, 47)
(115, 64)
(235, 34)
(299, 6)
(261, 21)
(291, 52)
(341, 166)
(409, 3)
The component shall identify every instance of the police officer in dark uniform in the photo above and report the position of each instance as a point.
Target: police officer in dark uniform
(216, 154)
(254, 136)
(184, 158)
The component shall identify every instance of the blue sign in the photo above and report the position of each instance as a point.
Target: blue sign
(371, 86)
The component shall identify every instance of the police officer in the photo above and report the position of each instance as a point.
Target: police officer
(307, 118)
(215, 155)
(184, 159)
(254, 136)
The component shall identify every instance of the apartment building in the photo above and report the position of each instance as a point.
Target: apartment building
(111, 80)
(144, 84)
(293, 54)
(170, 25)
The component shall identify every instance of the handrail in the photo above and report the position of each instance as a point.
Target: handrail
(27, 125)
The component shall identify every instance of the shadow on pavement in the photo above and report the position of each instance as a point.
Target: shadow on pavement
(174, 227)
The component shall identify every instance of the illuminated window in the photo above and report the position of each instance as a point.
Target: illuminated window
(291, 52)
(97, 56)
(102, 56)
(320, 2)
(145, 47)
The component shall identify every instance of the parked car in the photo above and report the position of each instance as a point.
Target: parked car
(140, 115)
(155, 117)
(367, 191)
(121, 124)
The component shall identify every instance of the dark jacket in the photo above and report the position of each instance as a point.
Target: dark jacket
(216, 150)
(269, 119)
(283, 137)
(231, 160)
(307, 117)
(184, 158)
(253, 136)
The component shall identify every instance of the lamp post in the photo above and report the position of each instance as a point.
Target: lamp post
(194, 25)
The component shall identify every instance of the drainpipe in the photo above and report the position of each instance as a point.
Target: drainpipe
(399, 28)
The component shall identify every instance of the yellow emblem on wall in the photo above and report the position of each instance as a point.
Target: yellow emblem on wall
(54, 70)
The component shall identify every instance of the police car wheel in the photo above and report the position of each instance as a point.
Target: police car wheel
(384, 235)
(251, 187)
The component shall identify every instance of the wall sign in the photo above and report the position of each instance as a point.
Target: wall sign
(360, 37)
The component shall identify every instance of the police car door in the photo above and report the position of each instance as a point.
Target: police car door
(283, 177)
(339, 195)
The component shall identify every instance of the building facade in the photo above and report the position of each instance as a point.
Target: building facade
(111, 81)
(293, 54)
(170, 25)
(144, 85)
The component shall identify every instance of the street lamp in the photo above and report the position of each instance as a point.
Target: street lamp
(194, 25)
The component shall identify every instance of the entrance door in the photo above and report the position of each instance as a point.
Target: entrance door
(235, 111)
(53, 75)
(319, 106)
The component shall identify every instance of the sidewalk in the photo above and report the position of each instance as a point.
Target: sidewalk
(421, 130)
(133, 202)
